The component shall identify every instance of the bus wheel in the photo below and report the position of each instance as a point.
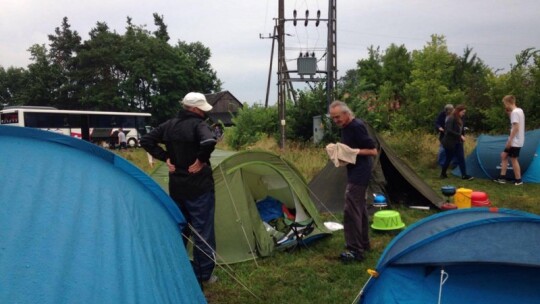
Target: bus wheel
(132, 142)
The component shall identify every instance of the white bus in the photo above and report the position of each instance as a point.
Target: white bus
(94, 126)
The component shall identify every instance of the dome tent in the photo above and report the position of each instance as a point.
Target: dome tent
(485, 160)
(80, 224)
(245, 178)
(478, 255)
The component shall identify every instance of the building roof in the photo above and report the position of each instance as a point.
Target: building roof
(214, 98)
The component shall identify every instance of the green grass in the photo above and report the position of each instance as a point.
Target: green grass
(315, 275)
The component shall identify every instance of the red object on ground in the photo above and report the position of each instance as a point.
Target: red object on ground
(448, 206)
(479, 199)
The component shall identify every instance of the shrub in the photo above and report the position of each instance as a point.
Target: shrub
(251, 124)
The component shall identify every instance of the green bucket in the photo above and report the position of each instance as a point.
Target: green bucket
(387, 220)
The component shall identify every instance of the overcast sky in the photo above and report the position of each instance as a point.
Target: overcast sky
(497, 30)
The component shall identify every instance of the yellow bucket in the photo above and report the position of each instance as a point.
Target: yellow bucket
(462, 199)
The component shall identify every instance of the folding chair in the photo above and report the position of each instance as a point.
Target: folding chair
(300, 230)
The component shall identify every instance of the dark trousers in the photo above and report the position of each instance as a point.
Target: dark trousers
(199, 213)
(458, 153)
(355, 219)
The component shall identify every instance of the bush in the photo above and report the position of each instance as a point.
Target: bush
(252, 124)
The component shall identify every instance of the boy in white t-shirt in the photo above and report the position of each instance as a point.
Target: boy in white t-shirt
(515, 140)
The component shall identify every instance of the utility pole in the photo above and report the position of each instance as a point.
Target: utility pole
(273, 37)
(331, 59)
(281, 72)
(306, 65)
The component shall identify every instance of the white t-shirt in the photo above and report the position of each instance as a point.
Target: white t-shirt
(121, 137)
(517, 116)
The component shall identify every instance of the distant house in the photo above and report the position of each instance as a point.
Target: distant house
(225, 106)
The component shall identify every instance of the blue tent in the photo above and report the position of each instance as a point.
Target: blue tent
(79, 224)
(485, 160)
(483, 256)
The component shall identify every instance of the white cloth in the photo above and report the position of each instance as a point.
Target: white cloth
(341, 154)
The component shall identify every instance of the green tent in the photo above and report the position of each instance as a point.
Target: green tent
(241, 180)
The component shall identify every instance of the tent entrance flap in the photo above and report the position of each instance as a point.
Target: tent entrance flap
(272, 184)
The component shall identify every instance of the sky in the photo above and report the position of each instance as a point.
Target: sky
(496, 30)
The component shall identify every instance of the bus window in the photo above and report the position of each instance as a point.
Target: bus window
(100, 121)
(46, 120)
(9, 118)
(74, 121)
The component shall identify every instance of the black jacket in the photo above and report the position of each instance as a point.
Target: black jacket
(187, 138)
(439, 123)
(452, 133)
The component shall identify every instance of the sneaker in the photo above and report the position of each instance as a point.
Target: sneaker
(350, 256)
(500, 180)
(518, 182)
(211, 280)
(467, 177)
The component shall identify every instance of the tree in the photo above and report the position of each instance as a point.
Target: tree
(12, 86)
(42, 78)
(470, 76)
(429, 89)
(370, 70)
(100, 72)
(161, 32)
(202, 76)
(300, 115)
(64, 46)
(396, 70)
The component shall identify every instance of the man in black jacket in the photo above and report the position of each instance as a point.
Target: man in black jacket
(189, 141)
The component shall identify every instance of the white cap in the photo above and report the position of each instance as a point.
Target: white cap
(196, 100)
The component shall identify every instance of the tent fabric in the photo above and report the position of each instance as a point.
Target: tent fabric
(532, 175)
(485, 160)
(484, 251)
(80, 224)
(243, 178)
(391, 176)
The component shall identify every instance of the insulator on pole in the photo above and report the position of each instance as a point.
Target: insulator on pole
(294, 17)
(307, 16)
(318, 18)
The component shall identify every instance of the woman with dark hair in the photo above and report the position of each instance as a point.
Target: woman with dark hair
(453, 142)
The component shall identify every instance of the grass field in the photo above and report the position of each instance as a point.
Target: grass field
(315, 275)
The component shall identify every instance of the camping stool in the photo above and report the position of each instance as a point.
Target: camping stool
(300, 230)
